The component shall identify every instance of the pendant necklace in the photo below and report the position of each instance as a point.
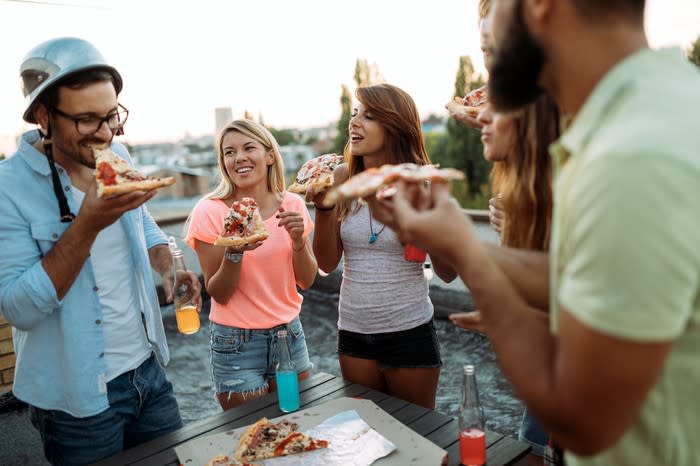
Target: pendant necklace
(373, 236)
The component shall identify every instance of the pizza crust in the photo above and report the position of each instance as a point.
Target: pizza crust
(247, 436)
(240, 241)
(379, 180)
(131, 186)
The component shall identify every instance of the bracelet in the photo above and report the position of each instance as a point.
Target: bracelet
(324, 209)
(300, 249)
(235, 257)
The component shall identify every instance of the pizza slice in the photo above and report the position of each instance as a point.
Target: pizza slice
(266, 439)
(316, 174)
(115, 176)
(380, 181)
(471, 104)
(243, 225)
(225, 460)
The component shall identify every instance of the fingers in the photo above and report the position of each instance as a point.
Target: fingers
(468, 320)
(468, 120)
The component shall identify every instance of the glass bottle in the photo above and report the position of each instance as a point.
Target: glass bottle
(286, 376)
(472, 436)
(186, 313)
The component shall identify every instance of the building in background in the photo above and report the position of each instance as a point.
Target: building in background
(223, 116)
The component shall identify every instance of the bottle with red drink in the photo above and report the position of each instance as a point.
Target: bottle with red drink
(472, 436)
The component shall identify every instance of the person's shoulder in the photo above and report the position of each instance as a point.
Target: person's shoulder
(209, 205)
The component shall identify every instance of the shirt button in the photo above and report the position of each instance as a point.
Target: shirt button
(98, 321)
(66, 188)
(95, 288)
(54, 236)
(102, 355)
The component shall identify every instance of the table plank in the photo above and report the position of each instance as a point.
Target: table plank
(320, 388)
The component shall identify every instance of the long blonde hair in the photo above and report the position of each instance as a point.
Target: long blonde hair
(524, 178)
(395, 110)
(256, 131)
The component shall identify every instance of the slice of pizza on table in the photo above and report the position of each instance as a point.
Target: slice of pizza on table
(316, 174)
(471, 104)
(243, 225)
(380, 180)
(115, 176)
(266, 439)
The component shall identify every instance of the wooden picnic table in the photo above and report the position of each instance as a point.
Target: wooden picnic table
(320, 388)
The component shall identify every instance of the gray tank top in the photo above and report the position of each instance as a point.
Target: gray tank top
(381, 291)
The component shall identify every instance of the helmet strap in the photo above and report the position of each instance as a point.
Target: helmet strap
(66, 214)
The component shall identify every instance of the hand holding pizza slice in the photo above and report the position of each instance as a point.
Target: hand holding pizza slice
(243, 225)
(379, 181)
(471, 104)
(316, 174)
(115, 176)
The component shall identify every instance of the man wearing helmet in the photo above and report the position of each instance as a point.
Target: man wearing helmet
(75, 278)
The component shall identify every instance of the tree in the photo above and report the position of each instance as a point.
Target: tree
(366, 74)
(283, 136)
(694, 52)
(341, 139)
(464, 148)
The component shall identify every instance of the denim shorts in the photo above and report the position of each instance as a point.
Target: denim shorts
(142, 407)
(412, 348)
(244, 360)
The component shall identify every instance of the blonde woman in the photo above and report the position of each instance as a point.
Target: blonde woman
(254, 288)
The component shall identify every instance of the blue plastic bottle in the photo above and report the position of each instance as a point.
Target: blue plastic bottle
(286, 375)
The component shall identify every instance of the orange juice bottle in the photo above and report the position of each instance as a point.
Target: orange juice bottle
(186, 313)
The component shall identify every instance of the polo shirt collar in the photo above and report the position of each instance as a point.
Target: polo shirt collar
(603, 97)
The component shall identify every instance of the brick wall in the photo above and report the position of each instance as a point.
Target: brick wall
(7, 356)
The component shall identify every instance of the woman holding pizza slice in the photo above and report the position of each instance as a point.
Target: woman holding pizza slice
(386, 337)
(253, 286)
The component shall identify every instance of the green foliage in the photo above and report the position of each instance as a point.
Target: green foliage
(366, 74)
(464, 149)
(436, 146)
(341, 138)
(284, 136)
(2, 156)
(694, 52)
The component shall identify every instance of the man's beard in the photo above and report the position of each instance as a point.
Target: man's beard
(516, 67)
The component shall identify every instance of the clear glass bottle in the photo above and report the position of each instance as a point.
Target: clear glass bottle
(286, 376)
(472, 436)
(186, 313)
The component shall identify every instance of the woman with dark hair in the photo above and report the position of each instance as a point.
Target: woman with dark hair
(386, 337)
(521, 180)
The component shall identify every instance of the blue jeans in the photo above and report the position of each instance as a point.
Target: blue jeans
(142, 406)
(244, 360)
(532, 433)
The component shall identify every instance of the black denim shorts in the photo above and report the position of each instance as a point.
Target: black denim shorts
(412, 348)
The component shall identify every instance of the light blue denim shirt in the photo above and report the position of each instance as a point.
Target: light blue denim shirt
(59, 344)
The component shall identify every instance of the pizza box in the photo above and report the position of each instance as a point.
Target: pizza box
(411, 448)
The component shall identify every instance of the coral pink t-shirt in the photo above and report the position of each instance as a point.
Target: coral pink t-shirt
(266, 295)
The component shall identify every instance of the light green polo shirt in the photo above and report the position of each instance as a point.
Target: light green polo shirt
(626, 239)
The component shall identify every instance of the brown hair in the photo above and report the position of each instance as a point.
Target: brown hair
(395, 110)
(524, 178)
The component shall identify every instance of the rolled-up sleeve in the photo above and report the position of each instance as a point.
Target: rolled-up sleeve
(27, 294)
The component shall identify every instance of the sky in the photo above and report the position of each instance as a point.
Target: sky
(282, 59)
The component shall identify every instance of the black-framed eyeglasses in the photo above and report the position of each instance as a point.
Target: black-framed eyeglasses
(86, 125)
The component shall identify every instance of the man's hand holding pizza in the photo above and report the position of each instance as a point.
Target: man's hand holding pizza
(430, 219)
(97, 213)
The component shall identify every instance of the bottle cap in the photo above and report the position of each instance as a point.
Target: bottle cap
(469, 369)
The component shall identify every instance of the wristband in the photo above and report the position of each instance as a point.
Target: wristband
(324, 209)
(235, 257)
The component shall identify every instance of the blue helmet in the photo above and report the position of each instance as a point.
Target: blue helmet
(55, 59)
